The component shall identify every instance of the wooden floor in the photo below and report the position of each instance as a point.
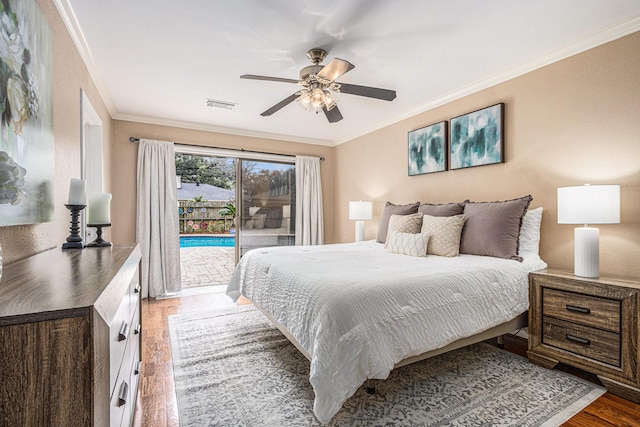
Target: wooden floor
(157, 398)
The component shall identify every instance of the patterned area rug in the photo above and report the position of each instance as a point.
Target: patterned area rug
(233, 368)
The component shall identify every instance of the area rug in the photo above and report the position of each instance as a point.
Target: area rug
(233, 368)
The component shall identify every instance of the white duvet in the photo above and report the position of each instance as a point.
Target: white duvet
(358, 310)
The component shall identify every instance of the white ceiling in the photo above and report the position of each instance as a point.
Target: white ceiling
(156, 61)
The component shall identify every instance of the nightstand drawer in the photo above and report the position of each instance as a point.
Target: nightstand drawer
(587, 310)
(589, 342)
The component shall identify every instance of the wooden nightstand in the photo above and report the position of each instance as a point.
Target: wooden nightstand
(591, 324)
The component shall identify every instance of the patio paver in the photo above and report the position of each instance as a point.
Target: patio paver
(206, 266)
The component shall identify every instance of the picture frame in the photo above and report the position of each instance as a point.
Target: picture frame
(477, 138)
(427, 149)
(26, 125)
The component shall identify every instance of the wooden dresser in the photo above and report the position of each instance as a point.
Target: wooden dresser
(591, 324)
(70, 338)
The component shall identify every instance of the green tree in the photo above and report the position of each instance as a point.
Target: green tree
(206, 170)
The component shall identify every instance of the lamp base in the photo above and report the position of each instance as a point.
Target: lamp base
(359, 231)
(586, 257)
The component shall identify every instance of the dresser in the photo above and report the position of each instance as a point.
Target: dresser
(591, 324)
(70, 338)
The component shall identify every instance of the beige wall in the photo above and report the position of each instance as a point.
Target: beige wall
(69, 76)
(123, 208)
(569, 123)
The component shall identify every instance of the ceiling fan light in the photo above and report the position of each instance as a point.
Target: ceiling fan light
(305, 99)
(329, 101)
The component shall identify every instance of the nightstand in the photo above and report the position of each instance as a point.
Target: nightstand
(591, 324)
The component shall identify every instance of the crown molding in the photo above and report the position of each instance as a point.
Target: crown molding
(69, 18)
(612, 33)
(221, 129)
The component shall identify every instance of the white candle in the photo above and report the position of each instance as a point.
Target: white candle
(77, 195)
(99, 212)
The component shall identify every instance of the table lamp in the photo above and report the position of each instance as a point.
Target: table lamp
(588, 204)
(359, 211)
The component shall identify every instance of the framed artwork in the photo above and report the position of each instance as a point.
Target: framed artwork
(477, 138)
(26, 114)
(427, 149)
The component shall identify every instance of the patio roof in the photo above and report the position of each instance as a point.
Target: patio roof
(188, 191)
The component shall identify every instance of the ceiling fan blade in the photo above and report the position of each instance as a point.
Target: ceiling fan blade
(280, 104)
(335, 68)
(271, 79)
(333, 115)
(370, 92)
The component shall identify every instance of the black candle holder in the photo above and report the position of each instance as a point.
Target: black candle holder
(74, 241)
(99, 242)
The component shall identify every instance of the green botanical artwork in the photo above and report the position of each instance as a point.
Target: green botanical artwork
(477, 138)
(26, 114)
(428, 149)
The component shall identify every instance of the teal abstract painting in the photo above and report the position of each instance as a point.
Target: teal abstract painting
(428, 149)
(477, 138)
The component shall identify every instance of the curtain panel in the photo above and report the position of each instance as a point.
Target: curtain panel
(309, 219)
(157, 230)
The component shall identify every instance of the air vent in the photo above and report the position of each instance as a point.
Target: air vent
(219, 104)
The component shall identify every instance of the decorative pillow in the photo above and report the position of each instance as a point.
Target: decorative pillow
(405, 223)
(413, 244)
(530, 232)
(250, 224)
(493, 228)
(447, 209)
(444, 234)
(391, 209)
(273, 217)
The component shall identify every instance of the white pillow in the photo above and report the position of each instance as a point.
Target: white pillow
(413, 244)
(444, 232)
(530, 232)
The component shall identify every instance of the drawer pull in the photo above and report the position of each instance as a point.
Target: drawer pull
(122, 394)
(138, 367)
(124, 331)
(137, 288)
(577, 339)
(577, 309)
(137, 329)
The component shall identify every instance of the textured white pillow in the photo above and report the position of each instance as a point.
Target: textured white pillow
(444, 232)
(405, 224)
(530, 231)
(413, 244)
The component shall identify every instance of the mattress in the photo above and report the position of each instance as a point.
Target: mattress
(357, 310)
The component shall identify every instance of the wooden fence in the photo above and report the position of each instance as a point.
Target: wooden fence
(204, 217)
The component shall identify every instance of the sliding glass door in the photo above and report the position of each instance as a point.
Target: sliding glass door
(267, 200)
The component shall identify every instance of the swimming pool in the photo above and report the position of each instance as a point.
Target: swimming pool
(218, 241)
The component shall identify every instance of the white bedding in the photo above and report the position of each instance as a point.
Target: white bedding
(358, 310)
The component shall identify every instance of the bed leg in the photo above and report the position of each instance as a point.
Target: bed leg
(370, 387)
(501, 341)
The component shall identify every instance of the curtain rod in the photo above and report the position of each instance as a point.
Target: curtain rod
(242, 150)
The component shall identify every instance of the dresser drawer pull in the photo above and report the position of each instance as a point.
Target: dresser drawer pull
(577, 309)
(138, 367)
(137, 329)
(137, 288)
(124, 331)
(122, 394)
(577, 339)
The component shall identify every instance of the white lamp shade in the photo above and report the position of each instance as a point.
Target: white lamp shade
(589, 204)
(360, 210)
(253, 210)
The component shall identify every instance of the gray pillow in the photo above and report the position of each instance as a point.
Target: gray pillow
(447, 209)
(391, 209)
(492, 228)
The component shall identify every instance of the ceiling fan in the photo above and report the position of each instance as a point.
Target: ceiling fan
(318, 83)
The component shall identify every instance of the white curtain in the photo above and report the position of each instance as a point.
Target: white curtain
(157, 218)
(309, 222)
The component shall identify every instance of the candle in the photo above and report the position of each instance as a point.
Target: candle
(99, 213)
(77, 195)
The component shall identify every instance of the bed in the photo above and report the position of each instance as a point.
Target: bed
(357, 310)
